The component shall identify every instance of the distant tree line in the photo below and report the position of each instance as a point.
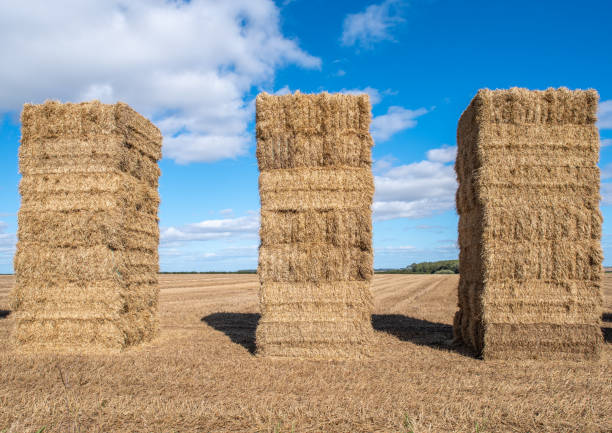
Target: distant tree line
(440, 267)
(434, 267)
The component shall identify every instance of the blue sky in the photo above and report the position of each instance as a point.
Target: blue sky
(195, 67)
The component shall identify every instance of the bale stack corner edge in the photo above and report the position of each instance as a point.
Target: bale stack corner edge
(86, 262)
(315, 258)
(530, 225)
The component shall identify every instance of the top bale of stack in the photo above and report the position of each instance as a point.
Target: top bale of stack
(87, 120)
(321, 130)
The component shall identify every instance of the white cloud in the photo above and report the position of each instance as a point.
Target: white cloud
(605, 142)
(449, 245)
(416, 190)
(383, 164)
(443, 154)
(102, 92)
(190, 147)
(606, 194)
(604, 114)
(190, 66)
(390, 257)
(416, 208)
(285, 90)
(372, 25)
(218, 258)
(606, 172)
(226, 212)
(8, 242)
(249, 251)
(212, 229)
(374, 94)
(397, 119)
(430, 227)
(394, 250)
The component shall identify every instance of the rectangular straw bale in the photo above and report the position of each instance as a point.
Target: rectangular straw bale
(348, 227)
(79, 229)
(86, 262)
(315, 259)
(529, 225)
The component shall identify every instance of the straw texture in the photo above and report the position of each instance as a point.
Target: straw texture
(86, 262)
(530, 225)
(315, 258)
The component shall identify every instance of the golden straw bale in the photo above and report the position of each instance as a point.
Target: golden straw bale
(136, 230)
(529, 225)
(315, 259)
(343, 227)
(86, 262)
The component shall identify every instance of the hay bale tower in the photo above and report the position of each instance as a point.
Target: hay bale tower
(529, 225)
(86, 263)
(315, 258)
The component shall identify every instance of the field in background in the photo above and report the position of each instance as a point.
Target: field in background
(199, 375)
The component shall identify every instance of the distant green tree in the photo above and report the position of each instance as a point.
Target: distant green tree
(452, 266)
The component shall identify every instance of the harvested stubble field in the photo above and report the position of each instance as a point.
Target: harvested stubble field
(199, 375)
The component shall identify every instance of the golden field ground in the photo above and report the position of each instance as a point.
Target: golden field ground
(200, 375)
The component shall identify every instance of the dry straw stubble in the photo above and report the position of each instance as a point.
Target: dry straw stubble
(530, 226)
(315, 258)
(86, 262)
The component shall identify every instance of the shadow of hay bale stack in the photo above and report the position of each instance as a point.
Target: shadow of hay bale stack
(315, 259)
(530, 226)
(86, 262)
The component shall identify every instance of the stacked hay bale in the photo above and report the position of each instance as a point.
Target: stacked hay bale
(529, 225)
(86, 262)
(315, 259)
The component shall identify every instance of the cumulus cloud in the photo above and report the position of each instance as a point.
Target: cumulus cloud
(372, 25)
(604, 114)
(416, 190)
(218, 259)
(401, 256)
(394, 250)
(606, 172)
(374, 94)
(212, 229)
(433, 228)
(248, 251)
(383, 164)
(7, 246)
(189, 66)
(285, 90)
(442, 154)
(395, 120)
(606, 194)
